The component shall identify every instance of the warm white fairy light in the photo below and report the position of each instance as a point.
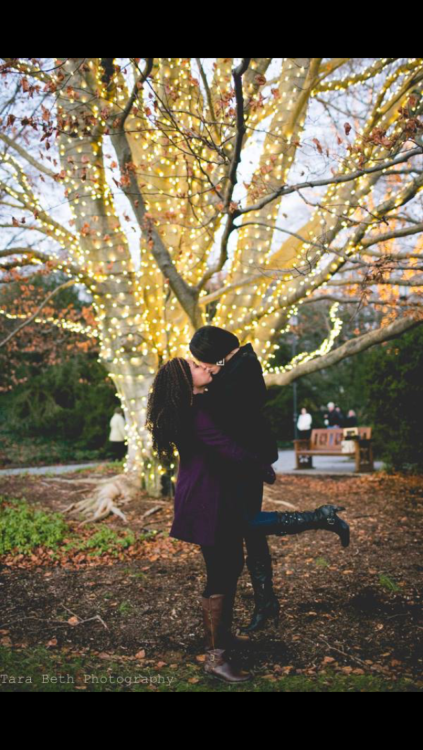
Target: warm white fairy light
(68, 325)
(283, 291)
(324, 347)
(144, 305)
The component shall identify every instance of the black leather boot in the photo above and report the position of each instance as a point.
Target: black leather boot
(267, 606)
(321, 518)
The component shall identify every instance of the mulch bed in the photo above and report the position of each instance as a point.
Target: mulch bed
(356, 610)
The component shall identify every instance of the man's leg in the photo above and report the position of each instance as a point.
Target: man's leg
(259, 564)
(249, 496)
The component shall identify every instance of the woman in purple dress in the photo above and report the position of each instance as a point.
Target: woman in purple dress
(205, 513)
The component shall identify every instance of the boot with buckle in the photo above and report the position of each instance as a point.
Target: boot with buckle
(217, 662)
(321, 518)
(283, 523)
(267, 606)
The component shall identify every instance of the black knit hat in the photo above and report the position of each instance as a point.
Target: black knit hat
(211, 344)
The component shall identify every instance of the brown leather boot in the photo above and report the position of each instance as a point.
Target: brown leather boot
(217, 662)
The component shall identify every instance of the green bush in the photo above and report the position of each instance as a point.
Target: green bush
(72, 403)
(394, 401)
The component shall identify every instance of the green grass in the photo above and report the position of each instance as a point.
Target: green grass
(388, 583)
(23, 528)
(40, 669)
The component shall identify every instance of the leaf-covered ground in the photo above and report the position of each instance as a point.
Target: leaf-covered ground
(129, 618)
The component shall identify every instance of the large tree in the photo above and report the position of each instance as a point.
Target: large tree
(219, 190)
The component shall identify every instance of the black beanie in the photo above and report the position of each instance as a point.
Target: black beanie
(211, 344)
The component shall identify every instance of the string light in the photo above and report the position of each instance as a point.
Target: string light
(140, 320)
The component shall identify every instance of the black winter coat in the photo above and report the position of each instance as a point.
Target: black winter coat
(236, 398)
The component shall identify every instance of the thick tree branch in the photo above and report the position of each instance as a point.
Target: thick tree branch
(349, 349)
(347, 81)
(415, 281)
(35, 255)
(186, 295)
(358, 301)
(375, 239)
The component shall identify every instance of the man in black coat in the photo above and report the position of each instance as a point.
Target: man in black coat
(236, 398)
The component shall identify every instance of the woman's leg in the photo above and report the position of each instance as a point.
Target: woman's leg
(281, 524)
(224, 564)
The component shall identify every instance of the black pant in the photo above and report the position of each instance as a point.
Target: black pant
(118, 449)
(304, 434)
(224, 565)
(250, 493)
(225, 560)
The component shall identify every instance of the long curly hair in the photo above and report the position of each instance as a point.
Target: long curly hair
(168, 408)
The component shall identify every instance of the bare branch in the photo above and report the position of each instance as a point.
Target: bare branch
(348, 177)
(34, 315)
(28, 157)
(136, 90)
(232, 175)
(27, 68)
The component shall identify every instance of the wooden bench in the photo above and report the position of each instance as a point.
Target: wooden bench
(329, 442)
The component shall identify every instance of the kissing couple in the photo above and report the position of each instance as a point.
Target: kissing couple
(209, 407)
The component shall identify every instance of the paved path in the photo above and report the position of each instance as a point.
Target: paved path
(61, 469)
(322, 465)
(285, 465)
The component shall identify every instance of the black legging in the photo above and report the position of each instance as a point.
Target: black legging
(224, 564)
(118, 449)
(225, 560)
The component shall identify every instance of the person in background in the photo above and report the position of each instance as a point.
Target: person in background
(351, 420)
(331, 416)
(304, 424)
(117, 435)
(341, 418)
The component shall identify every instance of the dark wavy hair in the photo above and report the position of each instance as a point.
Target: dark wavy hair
(168, 408)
